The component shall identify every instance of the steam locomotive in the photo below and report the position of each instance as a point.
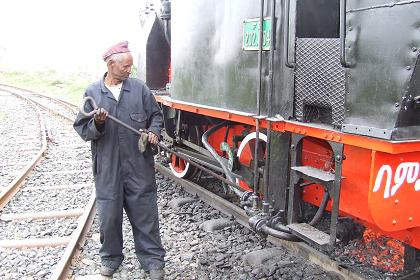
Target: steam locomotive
(304, 101)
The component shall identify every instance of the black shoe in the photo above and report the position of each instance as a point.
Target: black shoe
(157, 274)
(107, 271)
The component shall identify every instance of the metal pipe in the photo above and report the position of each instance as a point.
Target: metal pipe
(259, 223)
(204, 140)
(266, 202)
(281, 227)
(257, 122)
(166, 18)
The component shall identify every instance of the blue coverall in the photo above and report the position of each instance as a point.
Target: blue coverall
(124, 177)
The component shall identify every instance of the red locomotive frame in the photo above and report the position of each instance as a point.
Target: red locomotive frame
(381, 185)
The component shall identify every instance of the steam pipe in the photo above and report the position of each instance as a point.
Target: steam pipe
(281, 227)
(166, 18)
(227, 172)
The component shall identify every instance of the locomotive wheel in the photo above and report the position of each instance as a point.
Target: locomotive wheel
(181, 168)
(246, 153)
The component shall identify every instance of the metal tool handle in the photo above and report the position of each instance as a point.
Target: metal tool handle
(112, 118)
(92, 103)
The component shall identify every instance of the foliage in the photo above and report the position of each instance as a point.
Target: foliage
(67, 87)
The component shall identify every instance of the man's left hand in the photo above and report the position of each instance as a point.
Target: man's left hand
(152, 138)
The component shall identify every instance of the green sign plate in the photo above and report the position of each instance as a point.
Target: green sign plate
(251, 34)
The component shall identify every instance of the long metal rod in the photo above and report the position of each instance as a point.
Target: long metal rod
(212, 173)
(266, 202)
(259, 88)
(231, 182)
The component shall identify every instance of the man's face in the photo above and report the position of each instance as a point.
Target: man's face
(121, 68)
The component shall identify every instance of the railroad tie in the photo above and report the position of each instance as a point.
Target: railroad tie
(42, 215)
(34, 242)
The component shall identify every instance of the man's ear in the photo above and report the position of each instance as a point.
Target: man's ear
(110, 62)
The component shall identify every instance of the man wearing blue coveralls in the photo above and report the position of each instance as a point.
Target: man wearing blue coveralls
(124, 176)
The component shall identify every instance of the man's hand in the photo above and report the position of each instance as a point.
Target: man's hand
(100, 116)
(152, 138)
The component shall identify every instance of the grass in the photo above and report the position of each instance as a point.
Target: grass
(67, 87)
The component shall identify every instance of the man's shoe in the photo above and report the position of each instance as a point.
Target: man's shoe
(107, 271)
(157, 274)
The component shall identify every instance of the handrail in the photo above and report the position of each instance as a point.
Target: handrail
(343, 4)
(287, 62)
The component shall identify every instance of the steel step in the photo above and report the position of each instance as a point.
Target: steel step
(315, 174)
(310, 234)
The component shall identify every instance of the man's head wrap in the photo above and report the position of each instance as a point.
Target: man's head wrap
(121, 47)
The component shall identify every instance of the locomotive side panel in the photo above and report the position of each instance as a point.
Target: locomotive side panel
(382, 48)
(209, 64)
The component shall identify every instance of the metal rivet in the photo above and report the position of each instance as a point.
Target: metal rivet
(397, 104)
(408, 67)
(394, 222)
(414, 49)
(350, 28)
(410, 219)
(396, 201)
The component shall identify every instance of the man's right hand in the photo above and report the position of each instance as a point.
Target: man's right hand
(100, 116)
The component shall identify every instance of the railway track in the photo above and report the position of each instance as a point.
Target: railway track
(49, 203)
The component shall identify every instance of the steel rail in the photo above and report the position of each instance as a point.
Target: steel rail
(52, 110)
(7, 194)
(78, 238)
(79, 234)
(62, 102)
(299, 248)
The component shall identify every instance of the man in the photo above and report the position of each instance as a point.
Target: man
(124, 176)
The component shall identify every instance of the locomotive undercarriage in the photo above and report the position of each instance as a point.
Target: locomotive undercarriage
(236, 163)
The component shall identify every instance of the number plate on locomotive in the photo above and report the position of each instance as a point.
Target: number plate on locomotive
(251, 34)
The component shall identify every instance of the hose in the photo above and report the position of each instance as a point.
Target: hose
(278, 234)
(321, 209)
